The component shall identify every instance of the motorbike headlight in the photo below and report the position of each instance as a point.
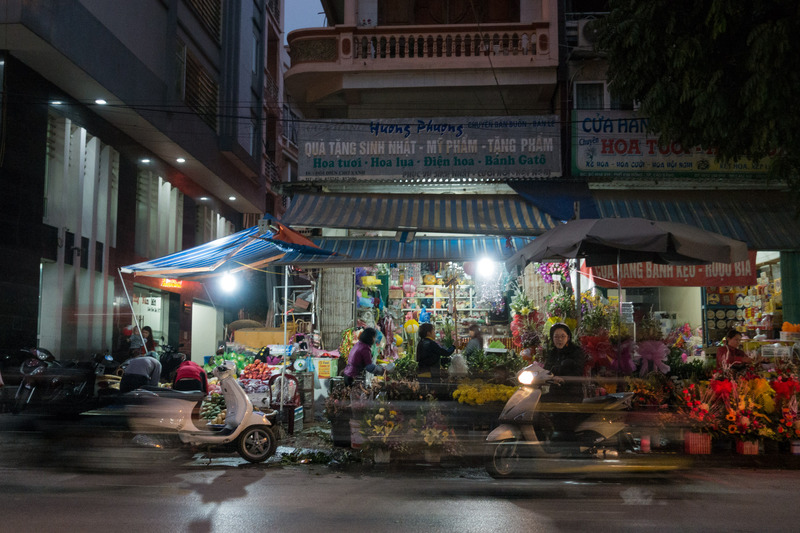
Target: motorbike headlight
(526, 377)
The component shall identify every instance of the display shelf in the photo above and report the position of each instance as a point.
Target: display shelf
(465, 298)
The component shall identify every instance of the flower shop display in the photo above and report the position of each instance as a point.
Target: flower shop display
(477, 392)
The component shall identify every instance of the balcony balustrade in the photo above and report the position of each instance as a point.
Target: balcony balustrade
(390, 47)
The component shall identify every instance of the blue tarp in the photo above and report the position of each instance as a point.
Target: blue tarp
(248, 248)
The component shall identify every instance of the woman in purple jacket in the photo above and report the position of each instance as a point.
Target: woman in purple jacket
(360, 357)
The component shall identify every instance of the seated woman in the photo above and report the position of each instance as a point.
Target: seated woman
(729, 354)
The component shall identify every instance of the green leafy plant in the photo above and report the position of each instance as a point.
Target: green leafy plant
(405, 368)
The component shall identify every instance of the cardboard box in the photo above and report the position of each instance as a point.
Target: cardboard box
(258, 337)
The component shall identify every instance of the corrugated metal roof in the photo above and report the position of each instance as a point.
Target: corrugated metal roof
(360, 251)
(441, 213)
(765, 221)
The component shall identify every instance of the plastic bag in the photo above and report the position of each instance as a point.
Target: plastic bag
(458, 366)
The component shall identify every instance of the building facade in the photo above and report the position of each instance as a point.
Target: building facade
(130, 130)
(382, 73)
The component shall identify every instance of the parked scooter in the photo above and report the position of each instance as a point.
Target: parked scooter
(526, 438)
(154, 411)
(64, 388)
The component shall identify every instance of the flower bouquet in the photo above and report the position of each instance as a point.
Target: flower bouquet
(746, 413)
(549, 270)
(561, 304)
(787, 423)
(382, 427)
(700, 413)
(432, 432)
(650, 347)
(525, 330)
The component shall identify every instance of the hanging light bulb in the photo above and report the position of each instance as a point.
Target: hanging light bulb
(228, 283)
(486, 267)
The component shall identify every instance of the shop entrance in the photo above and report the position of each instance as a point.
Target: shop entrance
(207, 325)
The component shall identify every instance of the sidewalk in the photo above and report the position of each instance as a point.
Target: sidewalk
(313, 444)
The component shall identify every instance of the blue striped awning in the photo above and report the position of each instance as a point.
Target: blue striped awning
(359, 251)
(248, 248)
(763, 220)
(474, 214)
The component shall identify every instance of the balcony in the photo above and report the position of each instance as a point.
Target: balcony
(347, 71)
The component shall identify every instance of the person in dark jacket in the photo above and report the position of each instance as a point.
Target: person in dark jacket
(430, 355)
(567, 361)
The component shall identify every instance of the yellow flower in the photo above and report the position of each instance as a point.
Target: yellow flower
(730, 417)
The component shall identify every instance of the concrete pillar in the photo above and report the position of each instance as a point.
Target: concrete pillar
(790, 284)
(350, 12)
(531, 11)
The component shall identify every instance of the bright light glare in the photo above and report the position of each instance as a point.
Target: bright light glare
(526, 377)
(228, 283)
(100, 101)
(486, 267)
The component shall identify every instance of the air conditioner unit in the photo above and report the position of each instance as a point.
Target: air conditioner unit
(587, 32)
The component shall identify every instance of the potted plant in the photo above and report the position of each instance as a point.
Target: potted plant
(337, 410)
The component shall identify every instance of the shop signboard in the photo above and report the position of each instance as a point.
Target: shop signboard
(647, 274)
(435, 149)
(326, 368)
(619, 144)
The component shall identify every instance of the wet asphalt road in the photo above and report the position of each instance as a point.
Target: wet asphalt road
(223, 497)
(48, 485)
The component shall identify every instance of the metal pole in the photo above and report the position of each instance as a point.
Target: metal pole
(285, 335)
(130, 303)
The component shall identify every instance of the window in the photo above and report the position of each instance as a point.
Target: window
(200, 90)
(590, 95)
(81, 182)
(595, 95)
(159, 216)
(180, 70)
(211, 225)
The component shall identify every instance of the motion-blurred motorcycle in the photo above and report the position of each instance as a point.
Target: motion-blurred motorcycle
(527, 441)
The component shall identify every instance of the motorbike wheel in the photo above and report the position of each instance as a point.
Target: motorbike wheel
(256, 444)
(503, 460)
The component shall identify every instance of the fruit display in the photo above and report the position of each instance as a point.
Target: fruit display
(256, 370)
(213, 409)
